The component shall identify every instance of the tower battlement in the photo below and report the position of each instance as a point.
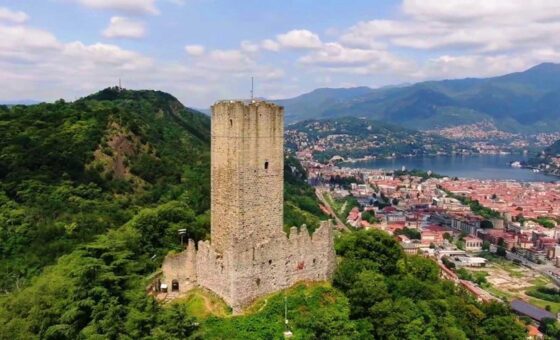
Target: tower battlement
(249, 254)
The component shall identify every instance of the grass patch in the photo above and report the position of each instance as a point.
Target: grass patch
(202, 304)
(554, 306)
(499, 293)
(541, 281)
(342, 206)
(308, 304)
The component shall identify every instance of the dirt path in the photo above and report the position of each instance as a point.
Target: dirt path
(340, 225)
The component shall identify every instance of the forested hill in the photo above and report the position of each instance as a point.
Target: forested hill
(522, 102)
(71, 171)
(92, 194)
(352, 137)
(547, 159)
(554, 149)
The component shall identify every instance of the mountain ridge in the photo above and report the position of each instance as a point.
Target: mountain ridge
(521, 101)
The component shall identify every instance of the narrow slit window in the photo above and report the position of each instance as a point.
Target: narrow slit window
(266, 165)
(231, 122)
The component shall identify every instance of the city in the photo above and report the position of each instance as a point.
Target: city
(498, 239)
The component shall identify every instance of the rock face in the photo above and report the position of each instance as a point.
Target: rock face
(249, 254)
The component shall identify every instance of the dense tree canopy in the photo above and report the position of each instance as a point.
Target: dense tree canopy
(402, 297)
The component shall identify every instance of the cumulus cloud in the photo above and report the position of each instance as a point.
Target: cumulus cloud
(457, 66)
(270, 45)
(299, 39)
(127, 6)
(249, 47)
(21, 43)
(38, 65)
(195, 50)
(121, 27)
(487, 26)
(15, 17)
(339, 58)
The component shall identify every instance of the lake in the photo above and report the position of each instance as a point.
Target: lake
(478, 166)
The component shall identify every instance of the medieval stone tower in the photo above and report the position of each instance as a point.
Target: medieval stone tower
(249, 254)
(247, 174)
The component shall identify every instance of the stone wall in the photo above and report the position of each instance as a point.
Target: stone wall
(240, 278)
(181, 267)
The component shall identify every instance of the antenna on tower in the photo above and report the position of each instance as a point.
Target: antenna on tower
(120, 85)
(252, 88)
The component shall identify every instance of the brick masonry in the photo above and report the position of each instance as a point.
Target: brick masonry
(249, 254)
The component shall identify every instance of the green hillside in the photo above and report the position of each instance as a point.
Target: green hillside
(72, 171)
(352, 137)
(554, 149)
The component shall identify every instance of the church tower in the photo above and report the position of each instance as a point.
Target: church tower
(247, 174)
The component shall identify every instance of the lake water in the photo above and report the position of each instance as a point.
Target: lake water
(479, 166)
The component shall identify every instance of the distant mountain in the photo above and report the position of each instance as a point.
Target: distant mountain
(19, 102)
(207, 111)
(308, 105)
(526, 101)
(357, 138)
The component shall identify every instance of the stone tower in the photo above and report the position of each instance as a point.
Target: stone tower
(249, 254)
(247, 173)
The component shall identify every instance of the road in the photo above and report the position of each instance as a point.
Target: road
(340, 225)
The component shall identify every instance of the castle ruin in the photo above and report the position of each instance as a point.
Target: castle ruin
(249, 254)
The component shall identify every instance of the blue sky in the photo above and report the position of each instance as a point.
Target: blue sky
(204, 50)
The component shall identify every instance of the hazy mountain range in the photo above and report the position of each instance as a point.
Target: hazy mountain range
(527, 101)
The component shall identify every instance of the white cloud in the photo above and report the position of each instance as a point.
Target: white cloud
(100, 55)
(249, 47)
(37, 65)
(270, 45)
(21, 43)
(484, 26)
(299, 39)
(337, 58)
(121, 27)
(16, 17)
(458, 66)
(497, 11)
(127, 6)
(227, 60)
(194, 50)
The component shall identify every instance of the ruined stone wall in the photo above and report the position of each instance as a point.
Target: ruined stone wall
(281, 262)
(181, 267)
(240, 278)
(214, 270)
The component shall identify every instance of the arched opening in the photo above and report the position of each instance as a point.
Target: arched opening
(174, 286)
(266, 165)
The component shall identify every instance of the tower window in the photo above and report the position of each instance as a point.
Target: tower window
(258, 282)
(231, 122)
(266, 165)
